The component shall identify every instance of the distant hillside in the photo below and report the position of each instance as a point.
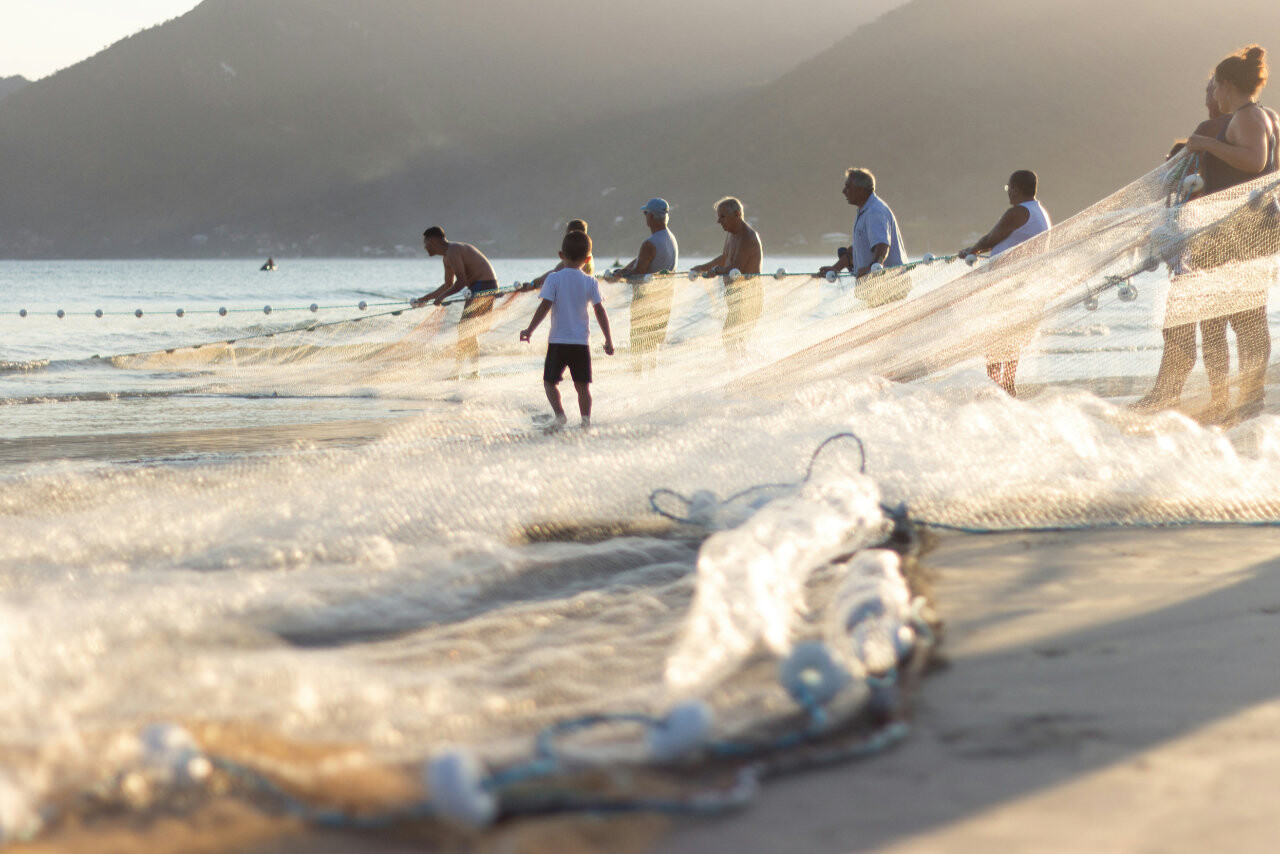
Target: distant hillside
(346, 126)
(1089, 94)
(942, 99)
(317, 126)
(9, 85)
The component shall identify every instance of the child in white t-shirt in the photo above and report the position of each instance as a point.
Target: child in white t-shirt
(565, 296)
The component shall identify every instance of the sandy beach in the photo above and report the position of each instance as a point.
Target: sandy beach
(1102, 691)
(1107, 691)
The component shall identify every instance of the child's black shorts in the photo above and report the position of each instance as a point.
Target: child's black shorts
(575, 357)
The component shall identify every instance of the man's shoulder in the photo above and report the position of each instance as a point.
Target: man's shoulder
(877, 204)
(469, 248)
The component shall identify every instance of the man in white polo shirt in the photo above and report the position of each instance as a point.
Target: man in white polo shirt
(876, 239)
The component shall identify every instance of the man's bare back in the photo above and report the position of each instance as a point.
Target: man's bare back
(467, 264)
(464, 266)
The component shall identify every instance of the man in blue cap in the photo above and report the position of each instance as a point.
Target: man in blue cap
(651, 301)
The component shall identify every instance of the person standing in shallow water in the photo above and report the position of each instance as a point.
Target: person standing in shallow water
(1179, 354)
(651, 301)
(876, 238)
(565, 296)
(1024, 219)
(1243, 150)
(464, 267)
(743, 253)
(1245, 147)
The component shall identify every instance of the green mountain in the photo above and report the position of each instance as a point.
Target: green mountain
(323, 126)
(942, 99)
(347, 126)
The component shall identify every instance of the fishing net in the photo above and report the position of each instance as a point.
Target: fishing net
(722, 567)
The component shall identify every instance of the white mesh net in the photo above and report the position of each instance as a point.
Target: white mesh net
(458, 576)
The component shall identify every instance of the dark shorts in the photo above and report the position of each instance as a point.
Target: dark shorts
(484, 285)
(575, 357)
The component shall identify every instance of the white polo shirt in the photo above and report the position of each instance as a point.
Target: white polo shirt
(875, 225)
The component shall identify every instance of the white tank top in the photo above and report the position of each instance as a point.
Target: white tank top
(1037, 221)
(666, 253)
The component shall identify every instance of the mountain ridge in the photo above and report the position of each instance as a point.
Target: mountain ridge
(298, 127)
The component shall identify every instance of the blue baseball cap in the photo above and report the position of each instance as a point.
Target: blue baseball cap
(657, 207)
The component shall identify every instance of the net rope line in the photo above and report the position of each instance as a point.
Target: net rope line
(513, 290)
(1104, 262)
(517, 287)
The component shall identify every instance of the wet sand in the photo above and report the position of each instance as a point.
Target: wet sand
(124, 447)
(1107, 691)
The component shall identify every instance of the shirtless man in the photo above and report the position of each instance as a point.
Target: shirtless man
(743, 252)
(464, 267)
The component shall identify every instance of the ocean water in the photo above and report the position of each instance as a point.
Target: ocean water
(327, 539)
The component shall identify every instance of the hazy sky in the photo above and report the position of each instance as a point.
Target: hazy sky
(39, 37)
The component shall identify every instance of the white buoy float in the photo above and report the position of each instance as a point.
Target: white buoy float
(180, 312)
(171, 753)
(831, 275)
(877, 267)
(780, 273)
(811, 675)
(362, 305)
(685, 729)
(456, 789)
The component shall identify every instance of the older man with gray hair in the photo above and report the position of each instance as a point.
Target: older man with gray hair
(739, 263)
(876, 239)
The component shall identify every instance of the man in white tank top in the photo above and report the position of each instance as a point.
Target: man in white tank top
(1024, 219)
(650, 301)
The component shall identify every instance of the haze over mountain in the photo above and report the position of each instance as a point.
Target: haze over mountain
(942, 99)
(341, 126)
(251, 118)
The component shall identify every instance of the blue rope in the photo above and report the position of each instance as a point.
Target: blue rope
(901, 512)
(808, 474)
